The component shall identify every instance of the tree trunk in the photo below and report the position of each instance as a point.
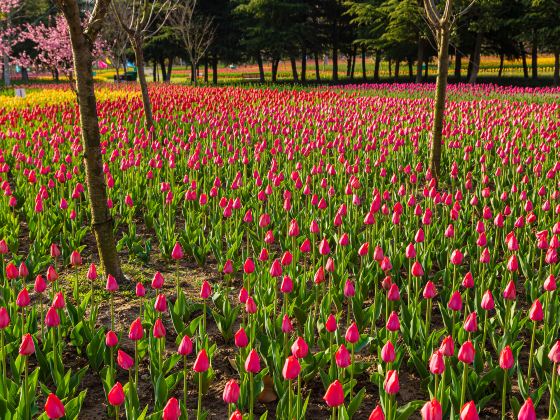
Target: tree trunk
(335, 52)
(376, 66)
(439, 106)
(24, 75)
(524, 61)
(426, 68)
(101, 220)
(139, 54)
(419, 59)
(163, 69)
(354, 55)
(294, 69)
(261, 67)
(397, 69)
(155, 72)
(317, 69)
(364, 70)
(501, 69)
(193, 73)
(215, 70)
(476, 58)
(275, 63)
(205, 69)
(348, 64)
(410, 69)
(7, 79)
(458, 64)
(390, 63)
(303, 65)
(56, 75)
(534, 57)
(556, 67)
(169, 68)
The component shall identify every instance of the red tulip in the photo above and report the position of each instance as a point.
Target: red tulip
(52, 319)
(287, 324)
(124, 360)
(236, 415)
(342, 357)
(377, 414)
(432, 410)
(447, 346)
(487, 302)
(437, 364)
(506, 358)
(455, 302)
(391, 383)
(352, 334)
(253, 363)
(250, 306)
(23, 299)
(393, 323)
(202, 363)
(172, 410)
(388, 352)
(54, 409)
(52, 275)
(4, 318)
(241, 340)
(92, 272)
(111, 339)
(470, 324)
(468, 411)
(111, 285)
(536, 312)
(136, 331)
(291, 368)
(231, 392)
(554, 353)
(509, 291)
(466, 352)
(527, 411)
(456, 257)
(429, 290)
(186, 346)
(157, 281)
(334, 396)
(160, 304)
(140, 290)
(159, 329)
(27, 347)
(75, 259)
(417, 270)
(349, 289)
(177, 252)
(40, 285)
(116, 395)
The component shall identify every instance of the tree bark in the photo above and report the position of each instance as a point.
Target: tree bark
(163, 69)
(458, 65)
(353, 68)
(205, 69)
(556, 67)
(275, 63)
(364, 70)
(294, 69)
(335, 52)
(426, 68)
(476, 58)
(317, 69)
(169, 68)
(139, 54)
(390, 64)
(376, 66)
(410, 69)
(419, 60)
(155, 72)
(397, 69)
(101, 219)
(214, 70)
(303, 65)
(7, 79)
(501, 69)
(534, 57)
(524, 61)
(24, 75)
(439, 106)
(261, 67)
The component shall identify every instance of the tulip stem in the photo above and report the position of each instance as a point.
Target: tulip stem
(290, 392)
(504, 389)
(531, 352)
(135, 363)
(199, 405)
(177, 278)
(117, 412)
(428, 315)
(25, 391)
(76, 293)
(112, 312)
(251, 391)
(351, 373)
(112, 363)
(464, 384)
(298, 401)
(185, 386)
(3, 357)
(552, 389)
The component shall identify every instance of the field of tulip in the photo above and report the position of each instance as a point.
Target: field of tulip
(288, 253)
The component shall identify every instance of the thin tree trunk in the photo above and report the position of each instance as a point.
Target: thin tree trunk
(163, 69)
(348, 64)
(24, 75)
(397, 69)
(139, 54)
(476, 58)
(376, 66)
(303, 65)
(317, 69)
(439, 106)
(101, 219)
(419, 59)
(335, 52)
(501, 69)
(364, 70)
(556, 67)
(426, 68)
(410, 69)
(7, 79)
(534, 57)
(215, 70)
(294, 69)
(354, 56)
(458, 65)
(169, 68)
(524, 61)
(275, 64)
(261, 67)
(155, 72)
(390, 63)
(205, 69)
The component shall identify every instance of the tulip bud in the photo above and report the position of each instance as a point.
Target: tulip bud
(391, 383)
(54, 409)
(432, 410)
(466, 353)
(172, 410)
(291, 368)
(231, 392)
(334, 396)
(202, 363)
(116, 395)
(253, 363)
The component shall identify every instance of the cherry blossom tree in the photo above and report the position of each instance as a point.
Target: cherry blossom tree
(7, 33)
(53, 47)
